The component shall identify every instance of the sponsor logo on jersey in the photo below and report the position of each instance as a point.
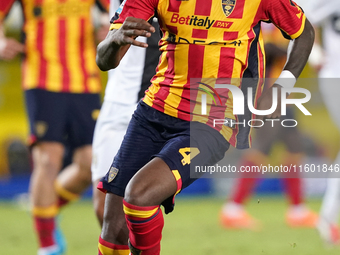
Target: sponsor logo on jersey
(197, 21)
(112, 174)
(228, 6)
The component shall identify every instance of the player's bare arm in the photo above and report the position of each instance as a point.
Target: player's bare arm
(112, 49)
(297, 59)
(9, 47)
(302, 47)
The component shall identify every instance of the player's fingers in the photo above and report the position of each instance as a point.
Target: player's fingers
(140, 44)
(9, 48)
(14, 45)
(260, 117)
(275, 115)
(135, 32)
(131, 41)
(20, 47)
(8, 55)
(17, 48)
(140, 24)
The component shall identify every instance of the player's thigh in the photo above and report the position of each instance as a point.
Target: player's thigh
(109, 132)
(204, 147)
(140, 143)
(151, 185)
(169, 172)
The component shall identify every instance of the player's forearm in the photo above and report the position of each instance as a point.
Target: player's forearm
(117, 42)
(108, 54)
(301, 49)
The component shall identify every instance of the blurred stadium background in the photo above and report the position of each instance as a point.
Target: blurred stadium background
(193, 228)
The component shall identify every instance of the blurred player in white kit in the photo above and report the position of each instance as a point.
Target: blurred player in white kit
(326, 58)
(126, 85)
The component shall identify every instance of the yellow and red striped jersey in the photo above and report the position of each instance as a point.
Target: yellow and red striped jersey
(59, 41)
(214, 41)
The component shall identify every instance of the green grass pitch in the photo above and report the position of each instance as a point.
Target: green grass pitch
(191, 229)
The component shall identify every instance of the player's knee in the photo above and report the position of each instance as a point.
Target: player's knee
(83, 156)
(151, 186)
(85, 176)
(137, 194)
(48, 156)
(47, 166)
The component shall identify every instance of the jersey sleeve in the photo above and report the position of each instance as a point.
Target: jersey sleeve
(286, 15)
(142, 9)
(5, 6)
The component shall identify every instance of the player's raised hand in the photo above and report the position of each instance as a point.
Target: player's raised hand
(265, 102)
(131, 28)
(113, 48)
(10, 48)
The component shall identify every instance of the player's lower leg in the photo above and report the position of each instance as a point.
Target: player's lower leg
(115, 234)
(75, 178)
(44, 223)
(145, 224)
(64, 196)
(153, 184)
(47, 162)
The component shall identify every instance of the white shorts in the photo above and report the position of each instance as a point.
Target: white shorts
(110, 129)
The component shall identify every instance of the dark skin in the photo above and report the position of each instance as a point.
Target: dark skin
(150, 186)
(297, 61)
(154, 183)
(117, 42)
